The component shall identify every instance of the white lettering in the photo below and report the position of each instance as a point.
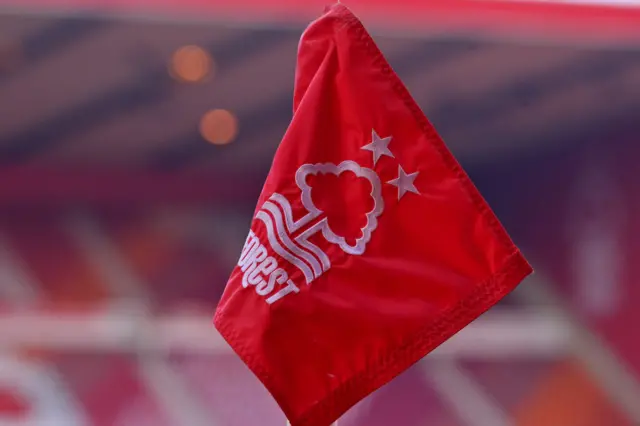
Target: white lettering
(250, 244)
(280, 276)
(263, 272)
(256, 256)
(290, 288)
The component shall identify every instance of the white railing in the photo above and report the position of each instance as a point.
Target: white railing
(497, 334)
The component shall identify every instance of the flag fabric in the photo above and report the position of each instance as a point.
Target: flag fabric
(369, 246)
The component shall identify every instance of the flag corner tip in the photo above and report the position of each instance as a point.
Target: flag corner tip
(330, 6)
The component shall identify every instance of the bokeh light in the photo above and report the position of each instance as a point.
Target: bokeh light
(191, 64)
(218, 126)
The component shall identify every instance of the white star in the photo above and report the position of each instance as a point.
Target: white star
(404, 182)
(379, 146)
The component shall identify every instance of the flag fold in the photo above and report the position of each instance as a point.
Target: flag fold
(369, 245)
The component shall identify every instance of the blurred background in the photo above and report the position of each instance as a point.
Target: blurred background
(134, 140)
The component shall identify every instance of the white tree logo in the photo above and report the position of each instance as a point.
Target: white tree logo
(277, 215)
(290, 238)
(371, 217)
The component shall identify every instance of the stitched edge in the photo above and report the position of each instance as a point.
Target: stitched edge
(484, 296)
(397, 359)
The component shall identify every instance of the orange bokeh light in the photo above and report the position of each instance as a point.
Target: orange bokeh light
(191, 64)
(219, 126)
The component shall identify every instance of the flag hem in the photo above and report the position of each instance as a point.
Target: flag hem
(484, 295)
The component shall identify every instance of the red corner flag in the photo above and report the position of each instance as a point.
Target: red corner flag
(369, 246)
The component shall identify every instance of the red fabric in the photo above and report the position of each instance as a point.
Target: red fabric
(13, 405)
(436, 260)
